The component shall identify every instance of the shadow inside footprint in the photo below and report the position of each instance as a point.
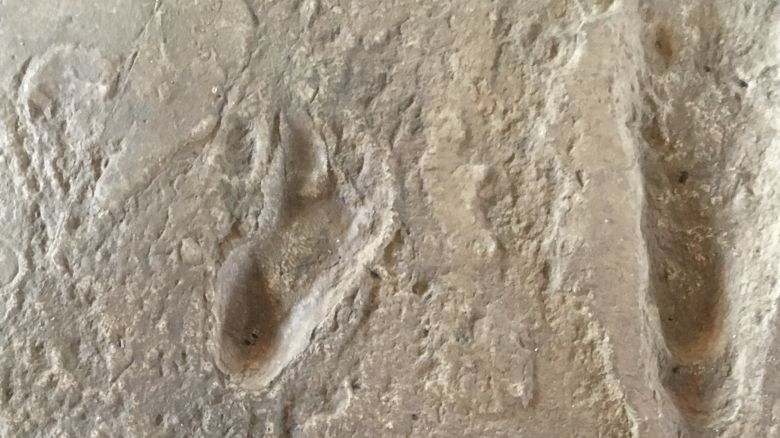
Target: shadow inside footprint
(249, 313)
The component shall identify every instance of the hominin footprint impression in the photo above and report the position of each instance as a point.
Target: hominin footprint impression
(317, 231)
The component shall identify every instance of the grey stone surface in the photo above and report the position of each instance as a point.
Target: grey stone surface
(314, 218)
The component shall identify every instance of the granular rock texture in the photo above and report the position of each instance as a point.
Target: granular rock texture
(325, 218)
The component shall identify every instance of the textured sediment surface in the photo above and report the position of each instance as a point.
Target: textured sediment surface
(315, 218)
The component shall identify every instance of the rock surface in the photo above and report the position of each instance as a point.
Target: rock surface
(314, 218)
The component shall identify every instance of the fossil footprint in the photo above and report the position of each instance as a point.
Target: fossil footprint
(318, 227)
